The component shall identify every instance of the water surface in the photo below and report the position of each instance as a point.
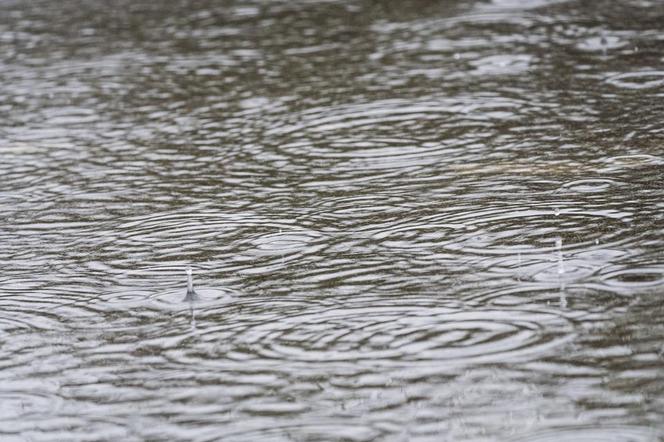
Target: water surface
(408, 220)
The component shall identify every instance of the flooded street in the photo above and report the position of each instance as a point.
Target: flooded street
(407, 220)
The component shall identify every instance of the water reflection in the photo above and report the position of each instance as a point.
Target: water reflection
(407, 220)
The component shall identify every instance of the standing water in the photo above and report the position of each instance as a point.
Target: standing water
(365, 190)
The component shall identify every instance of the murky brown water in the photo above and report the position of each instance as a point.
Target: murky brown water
(408, 220)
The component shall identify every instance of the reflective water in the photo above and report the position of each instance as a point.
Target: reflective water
(407, 220)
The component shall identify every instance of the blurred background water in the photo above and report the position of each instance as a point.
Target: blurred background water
(408, 220)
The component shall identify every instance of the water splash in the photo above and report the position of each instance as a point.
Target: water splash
(561, 272)
(191, 293)
(559, 250)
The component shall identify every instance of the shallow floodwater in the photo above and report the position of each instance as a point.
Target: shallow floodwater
(407, 220)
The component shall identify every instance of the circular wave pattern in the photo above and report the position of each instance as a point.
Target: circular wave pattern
(511, 230)
(581, 304)
(371, 136)
(398, 335)
(605, 433)
(238, 242)
(321, 429)
(598, 185)
(634, 278)
(638, 80)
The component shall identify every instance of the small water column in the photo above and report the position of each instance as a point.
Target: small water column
(561, 272)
